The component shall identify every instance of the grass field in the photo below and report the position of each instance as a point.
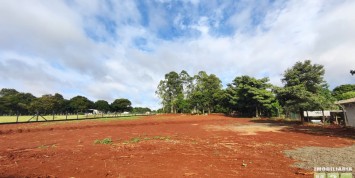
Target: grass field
(29, 118)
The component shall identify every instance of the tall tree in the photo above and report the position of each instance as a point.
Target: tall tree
(12, 101)
(80, 103)
(44, 105)
(204, 93)
(251, 95)
(170, 90)
(121, 105)
(304, 88)
(102, 105)
(60, 103)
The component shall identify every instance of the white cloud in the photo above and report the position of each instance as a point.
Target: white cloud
(46, 45)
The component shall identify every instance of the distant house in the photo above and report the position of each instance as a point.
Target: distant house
(349, 109)
(93, 111)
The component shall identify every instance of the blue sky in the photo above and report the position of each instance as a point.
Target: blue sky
(122, 49)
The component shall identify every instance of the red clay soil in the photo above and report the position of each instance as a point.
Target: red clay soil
(157, 146)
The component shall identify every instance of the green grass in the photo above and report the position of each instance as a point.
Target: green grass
(47, 146)
(105, 141)
(7, 119)
(139, 139)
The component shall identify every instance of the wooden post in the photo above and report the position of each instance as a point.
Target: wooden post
(336, 119)
(37, 116)
(323, 117)
(77, 115)
(66, 115)
(53, 116)
(17, 115)
(301, 115)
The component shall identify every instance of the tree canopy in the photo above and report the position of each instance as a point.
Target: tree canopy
(250, 95)
(102, 105)
(343, 92)
(121, 105)
(173, 90)
(80, 103)
(13, 102)
(304, 88)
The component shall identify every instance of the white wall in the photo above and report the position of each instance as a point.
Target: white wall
(350, 113)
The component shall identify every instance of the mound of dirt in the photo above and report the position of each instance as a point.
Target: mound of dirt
(249, 129)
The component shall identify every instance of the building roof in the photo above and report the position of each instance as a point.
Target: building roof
(351, 100)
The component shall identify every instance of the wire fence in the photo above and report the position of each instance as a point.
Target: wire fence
(18, 118)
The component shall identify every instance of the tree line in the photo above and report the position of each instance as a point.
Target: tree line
(304, 88)
(14, 102)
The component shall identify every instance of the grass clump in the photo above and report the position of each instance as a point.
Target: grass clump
(139, 139)
(135, 140)
(47, 146)
(104, 141)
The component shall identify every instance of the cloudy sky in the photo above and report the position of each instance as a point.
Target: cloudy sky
(122, 49)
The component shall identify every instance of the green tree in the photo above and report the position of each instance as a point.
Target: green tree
(80, 104)
(12, 101)
(121, 105)
(251, 96)
(205, 92)
(60, 103)
(43, 105)
(102, 105)
(170, 90)
(8, 92)
(304, 88)
(141, 110)
(221, 101)
(48, 103)
(343, 92)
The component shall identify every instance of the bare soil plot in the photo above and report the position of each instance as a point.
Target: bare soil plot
(247, 129)
(160, 146)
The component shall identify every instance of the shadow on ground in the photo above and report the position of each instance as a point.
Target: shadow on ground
(319, 130)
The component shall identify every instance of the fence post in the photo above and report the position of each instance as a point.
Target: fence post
(17, 116)
(77, 115)
(53, 115)
(66, 115)
(37, 116)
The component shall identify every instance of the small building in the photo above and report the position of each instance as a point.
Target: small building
(331, 116)
(92, 112)
(349, 109)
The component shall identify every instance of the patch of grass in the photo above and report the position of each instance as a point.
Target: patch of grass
(105, 141)
(161, 138)
(47, 146)
(139, 139)
(135, 140)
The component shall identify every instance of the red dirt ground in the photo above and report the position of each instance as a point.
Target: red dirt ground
(184, 148)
